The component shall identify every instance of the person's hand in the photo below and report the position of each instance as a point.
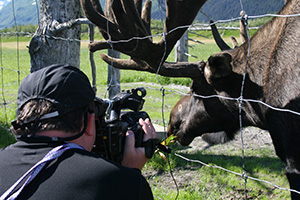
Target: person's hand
(135, 157)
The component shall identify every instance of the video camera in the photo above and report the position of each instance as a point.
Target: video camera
(112, 123)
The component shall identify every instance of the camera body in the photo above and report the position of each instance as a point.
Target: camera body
(112, 122)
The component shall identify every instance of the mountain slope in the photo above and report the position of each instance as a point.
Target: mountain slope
(25, 13)
(227, 9)
(26, 10)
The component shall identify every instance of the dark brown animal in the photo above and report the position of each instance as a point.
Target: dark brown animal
(272, 76)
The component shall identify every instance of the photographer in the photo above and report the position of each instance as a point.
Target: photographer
(55, 129)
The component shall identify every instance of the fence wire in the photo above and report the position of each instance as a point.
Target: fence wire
(240, 99)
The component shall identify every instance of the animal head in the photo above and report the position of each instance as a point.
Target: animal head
(195, 114)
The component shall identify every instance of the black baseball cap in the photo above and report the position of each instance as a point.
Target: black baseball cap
(67, 87)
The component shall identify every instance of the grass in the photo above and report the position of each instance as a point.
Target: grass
(200, 182)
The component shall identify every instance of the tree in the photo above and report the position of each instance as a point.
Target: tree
(57, 38)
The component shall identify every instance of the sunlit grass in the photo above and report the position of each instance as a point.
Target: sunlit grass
(215, 183)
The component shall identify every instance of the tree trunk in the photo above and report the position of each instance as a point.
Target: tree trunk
(57, 39)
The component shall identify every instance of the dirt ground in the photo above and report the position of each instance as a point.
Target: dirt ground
(253, 138)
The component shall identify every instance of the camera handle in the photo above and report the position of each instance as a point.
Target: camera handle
(111, 114)
(109, 108)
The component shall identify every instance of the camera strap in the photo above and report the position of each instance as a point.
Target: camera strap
(10, 194)
(151, 145)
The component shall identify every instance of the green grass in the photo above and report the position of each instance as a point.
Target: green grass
(204, 182)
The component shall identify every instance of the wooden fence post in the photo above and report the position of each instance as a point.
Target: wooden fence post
(91, 55)
(113, 76)
(181, 48)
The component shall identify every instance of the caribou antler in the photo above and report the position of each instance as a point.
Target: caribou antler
(243, 28)
(217, 37)
(221, 43)
(125, 24)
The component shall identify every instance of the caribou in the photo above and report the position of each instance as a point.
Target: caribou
(272, 75)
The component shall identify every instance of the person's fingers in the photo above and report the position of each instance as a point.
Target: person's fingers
(133, 157)
(148, 129)
(150, 125)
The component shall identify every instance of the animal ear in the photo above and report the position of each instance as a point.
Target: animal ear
(217, 66)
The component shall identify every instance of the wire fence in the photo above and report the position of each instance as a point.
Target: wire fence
(12, 73)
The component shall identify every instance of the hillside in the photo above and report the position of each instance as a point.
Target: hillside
(26, 10)
(227, 9)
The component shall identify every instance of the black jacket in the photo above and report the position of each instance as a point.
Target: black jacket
(76, 174)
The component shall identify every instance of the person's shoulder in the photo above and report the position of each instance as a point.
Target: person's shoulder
(102, 168)
(93, 160)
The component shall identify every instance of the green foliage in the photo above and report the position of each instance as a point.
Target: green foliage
(259, 22)
(84, 28)
(24, 33)
(156, 26)
(6, 137)
(29, 28)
